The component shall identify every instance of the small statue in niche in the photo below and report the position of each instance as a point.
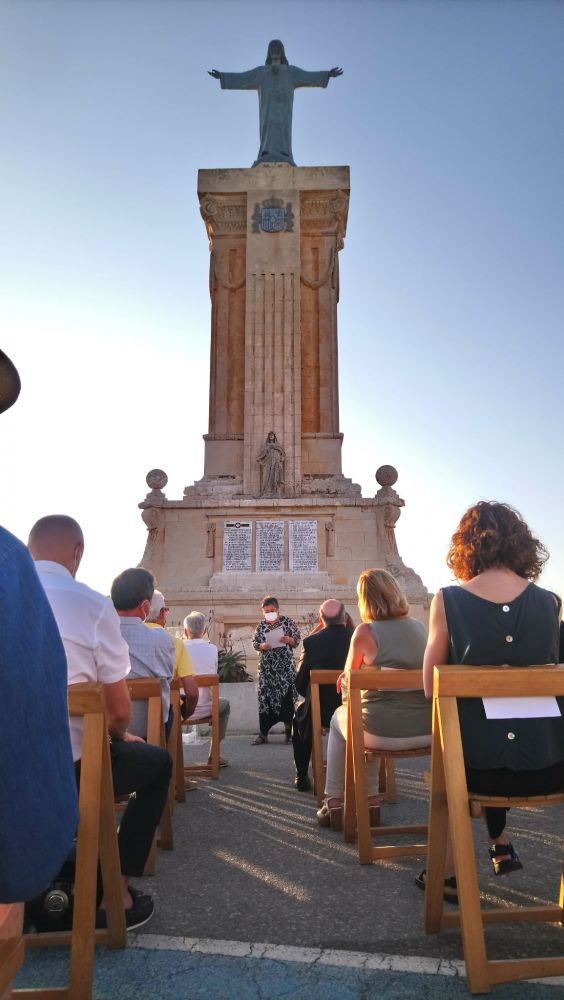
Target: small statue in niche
(329, 538)
(271, 460)
(210, 544)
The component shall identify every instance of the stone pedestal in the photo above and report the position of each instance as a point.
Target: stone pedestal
(275, 232)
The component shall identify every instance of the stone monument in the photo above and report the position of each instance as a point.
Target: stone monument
(273, 512)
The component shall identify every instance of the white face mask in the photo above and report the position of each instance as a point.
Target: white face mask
(271, 616)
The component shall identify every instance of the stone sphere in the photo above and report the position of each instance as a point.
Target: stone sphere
(386, 475)
(156, 479)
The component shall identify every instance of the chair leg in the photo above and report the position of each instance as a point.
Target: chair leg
(390, 782)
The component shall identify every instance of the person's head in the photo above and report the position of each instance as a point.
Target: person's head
(132, 591)
(271, 438)
(332, 612)
(58, 538)
(195, 625)
(379, 597)
(275, 55)
(270, 609)
(10, 384)
(158, 610)
(494, 535)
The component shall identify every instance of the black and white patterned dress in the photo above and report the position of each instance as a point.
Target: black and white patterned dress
(277, 669)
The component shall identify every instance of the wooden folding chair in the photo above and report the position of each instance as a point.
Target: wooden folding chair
(318, 762)
(450, 801)
(211, 769)
(149, 689)
(12, 948)
(96, 841)
(174, 745)
(357, 814)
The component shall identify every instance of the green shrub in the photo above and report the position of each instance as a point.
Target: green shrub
(231, 667)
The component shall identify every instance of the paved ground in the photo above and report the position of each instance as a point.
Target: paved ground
(251, 869)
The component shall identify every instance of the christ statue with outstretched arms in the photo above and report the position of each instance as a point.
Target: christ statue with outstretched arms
(275, 83)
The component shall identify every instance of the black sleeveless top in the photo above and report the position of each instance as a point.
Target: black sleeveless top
(520, 633)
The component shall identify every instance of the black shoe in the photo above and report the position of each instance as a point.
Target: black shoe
(302, 783)
(449, 895)
(137, 915)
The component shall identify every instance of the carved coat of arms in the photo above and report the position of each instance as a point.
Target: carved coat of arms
(272, 216)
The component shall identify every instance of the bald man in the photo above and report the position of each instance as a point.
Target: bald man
(96, 652)
(326, 648)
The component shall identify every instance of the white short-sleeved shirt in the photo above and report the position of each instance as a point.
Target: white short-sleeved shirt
(204, 659)
(89, 627)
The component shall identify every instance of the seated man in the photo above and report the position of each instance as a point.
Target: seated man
(325, 649)
(205, 660)
(184, 668)
(151, 651)
(96, 652)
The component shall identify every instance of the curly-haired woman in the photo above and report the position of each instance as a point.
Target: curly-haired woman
(498, 616)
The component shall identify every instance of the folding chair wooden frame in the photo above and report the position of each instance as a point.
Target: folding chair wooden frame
(357, 814)
(96, 840)
(449, 808)
(149, 690)
(318, 763)
(174, 745)
(12, 948)
(211, 769)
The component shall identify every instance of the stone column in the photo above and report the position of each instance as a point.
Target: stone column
(274, 290)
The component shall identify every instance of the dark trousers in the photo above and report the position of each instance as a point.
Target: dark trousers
(269, 719)
(145, 770)
(302, 750)
(502, 781)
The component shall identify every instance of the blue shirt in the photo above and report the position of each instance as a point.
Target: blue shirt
(38, 797)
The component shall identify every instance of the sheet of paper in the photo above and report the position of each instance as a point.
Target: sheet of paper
(274, 636)
(539, 707)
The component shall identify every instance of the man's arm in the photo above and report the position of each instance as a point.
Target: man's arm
(191, 691)
(118, 709)
(303, 671)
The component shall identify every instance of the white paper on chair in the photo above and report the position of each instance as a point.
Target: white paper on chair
(538, 707)
(274, 636)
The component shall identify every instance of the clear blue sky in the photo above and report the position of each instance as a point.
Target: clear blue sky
(452, 286)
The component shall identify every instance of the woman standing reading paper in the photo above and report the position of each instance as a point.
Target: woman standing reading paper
(498, 616)
(275, 638)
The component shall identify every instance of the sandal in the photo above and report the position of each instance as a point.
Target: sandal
(450, 896)
(331, 814)
(508, 859)
(260, 739)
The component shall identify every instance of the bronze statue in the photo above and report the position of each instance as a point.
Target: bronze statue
(275, 82)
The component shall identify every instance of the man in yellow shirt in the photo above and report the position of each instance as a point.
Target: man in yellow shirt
(184, 667)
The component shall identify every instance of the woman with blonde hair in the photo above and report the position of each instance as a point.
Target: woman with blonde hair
(393, 720)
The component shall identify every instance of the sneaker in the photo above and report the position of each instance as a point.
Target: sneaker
(302, 783)
(137, 915)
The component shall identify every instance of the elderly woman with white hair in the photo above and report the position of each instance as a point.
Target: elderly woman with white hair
(205, 661)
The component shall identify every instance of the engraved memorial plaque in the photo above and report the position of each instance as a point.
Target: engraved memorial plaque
(237, 546)
(270, 546)
(303, 546)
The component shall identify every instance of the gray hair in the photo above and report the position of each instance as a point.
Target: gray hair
(195, 623)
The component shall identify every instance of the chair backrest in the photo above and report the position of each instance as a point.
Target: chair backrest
(149, 689)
